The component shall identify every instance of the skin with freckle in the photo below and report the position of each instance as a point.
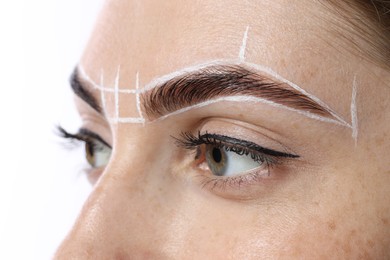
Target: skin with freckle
(151, 200)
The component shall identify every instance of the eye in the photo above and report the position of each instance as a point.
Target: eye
(226, 163)
(97, 154)
(97, 151)
(223, 162)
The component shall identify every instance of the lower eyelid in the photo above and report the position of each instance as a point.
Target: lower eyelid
(244, 179)
(93, 174)
(249, 185)
(243, 187)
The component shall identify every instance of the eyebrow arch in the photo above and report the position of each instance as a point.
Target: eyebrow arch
(227, 83)
(82, 92)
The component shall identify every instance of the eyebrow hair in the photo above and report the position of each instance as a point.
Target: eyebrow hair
(218, 81)
(82, 92)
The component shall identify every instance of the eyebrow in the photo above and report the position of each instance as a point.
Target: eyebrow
(82, 92)
(218, 81)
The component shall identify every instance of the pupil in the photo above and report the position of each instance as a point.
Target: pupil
(217, 155)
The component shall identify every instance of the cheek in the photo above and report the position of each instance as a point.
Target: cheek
(350, 225)
(333, 239)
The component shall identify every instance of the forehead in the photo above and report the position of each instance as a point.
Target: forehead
(158, 37)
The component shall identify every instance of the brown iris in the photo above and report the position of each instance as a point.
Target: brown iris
(90, 153)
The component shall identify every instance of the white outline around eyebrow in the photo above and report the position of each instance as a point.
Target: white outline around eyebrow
(239, 61)
(259, 68)
(250, 99)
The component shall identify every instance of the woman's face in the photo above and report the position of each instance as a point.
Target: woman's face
(273, 143)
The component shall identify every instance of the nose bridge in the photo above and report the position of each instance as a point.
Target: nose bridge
(123, 212)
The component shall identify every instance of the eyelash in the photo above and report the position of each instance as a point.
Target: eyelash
(83, 136)
(92, 142)
(267, 157)
(258, 153)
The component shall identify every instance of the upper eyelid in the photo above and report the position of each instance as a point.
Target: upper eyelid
(250, 145)
(86, 132)
(82, 135)
(267, 87)
(189, 140)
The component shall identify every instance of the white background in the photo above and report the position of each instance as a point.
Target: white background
(42, 187)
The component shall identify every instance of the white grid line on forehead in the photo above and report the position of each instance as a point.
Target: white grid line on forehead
(102, 93)
(241, 54)
(354, 116)
(84, 75)
(116, 94)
